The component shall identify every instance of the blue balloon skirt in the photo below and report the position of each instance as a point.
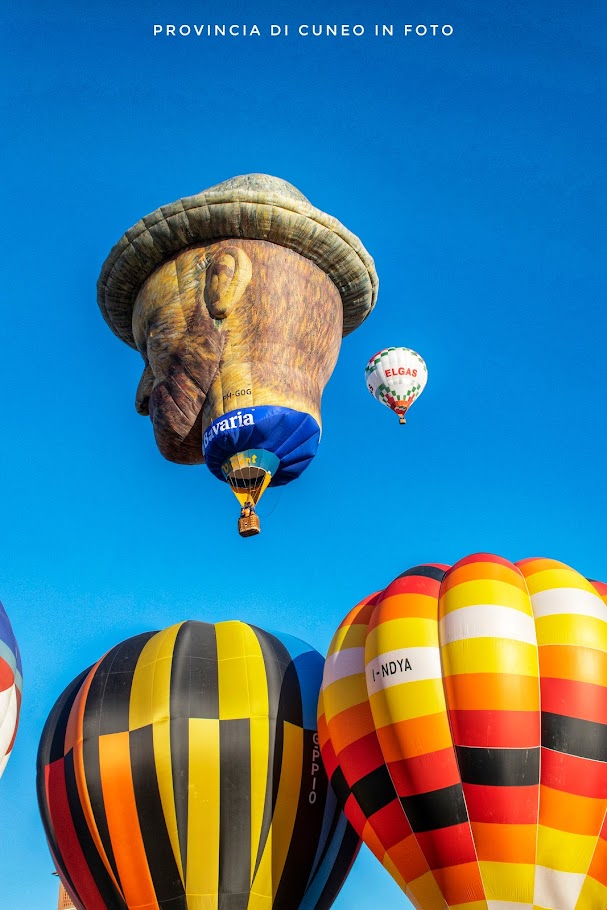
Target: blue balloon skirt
(292, 436)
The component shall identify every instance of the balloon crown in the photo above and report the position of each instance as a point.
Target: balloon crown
(251, 206)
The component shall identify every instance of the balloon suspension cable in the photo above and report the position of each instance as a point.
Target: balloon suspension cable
(278, 491)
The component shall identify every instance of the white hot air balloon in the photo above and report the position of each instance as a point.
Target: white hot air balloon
(396, 377)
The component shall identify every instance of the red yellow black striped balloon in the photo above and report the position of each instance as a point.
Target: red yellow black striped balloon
(463, 724)
(182, 772)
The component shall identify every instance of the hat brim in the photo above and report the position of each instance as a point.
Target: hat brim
(232, 211)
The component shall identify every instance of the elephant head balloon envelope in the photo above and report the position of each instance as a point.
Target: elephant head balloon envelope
(463, 722)
(183, 771)
(237, 299)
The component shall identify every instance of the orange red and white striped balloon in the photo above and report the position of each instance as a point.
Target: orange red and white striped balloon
(463, 722)
(11, 686)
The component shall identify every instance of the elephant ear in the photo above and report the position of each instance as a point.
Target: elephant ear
(228, 275)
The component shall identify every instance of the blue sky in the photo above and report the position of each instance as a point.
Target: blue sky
(469, 166)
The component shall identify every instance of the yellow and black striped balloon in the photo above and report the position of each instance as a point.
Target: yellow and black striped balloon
(182, 772)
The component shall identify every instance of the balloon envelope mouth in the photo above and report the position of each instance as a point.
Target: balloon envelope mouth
(280, 441)
(249, 473)
(241, 478)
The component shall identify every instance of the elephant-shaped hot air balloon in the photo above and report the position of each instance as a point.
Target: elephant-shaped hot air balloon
(463, 723)
(183, 771)
(237, 299)
(11, 687)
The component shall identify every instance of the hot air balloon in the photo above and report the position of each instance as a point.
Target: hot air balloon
(183, 770)
(237, 299)
(396, 377)
(463, 723)
(11, 687)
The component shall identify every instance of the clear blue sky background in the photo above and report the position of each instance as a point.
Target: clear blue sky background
(471, 169)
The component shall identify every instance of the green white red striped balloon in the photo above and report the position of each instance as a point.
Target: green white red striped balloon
(396, 377)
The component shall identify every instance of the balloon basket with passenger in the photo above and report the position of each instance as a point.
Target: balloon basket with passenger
(248, 523)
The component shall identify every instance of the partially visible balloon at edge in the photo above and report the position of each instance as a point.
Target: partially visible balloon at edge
(463, 724)
(11, 687)
(183, 769)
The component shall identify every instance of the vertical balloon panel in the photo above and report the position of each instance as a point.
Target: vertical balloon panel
(404, 681)
(353, 757)
(490, 665)
(571, 622)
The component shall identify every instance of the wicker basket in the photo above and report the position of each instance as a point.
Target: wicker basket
(249, 526)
